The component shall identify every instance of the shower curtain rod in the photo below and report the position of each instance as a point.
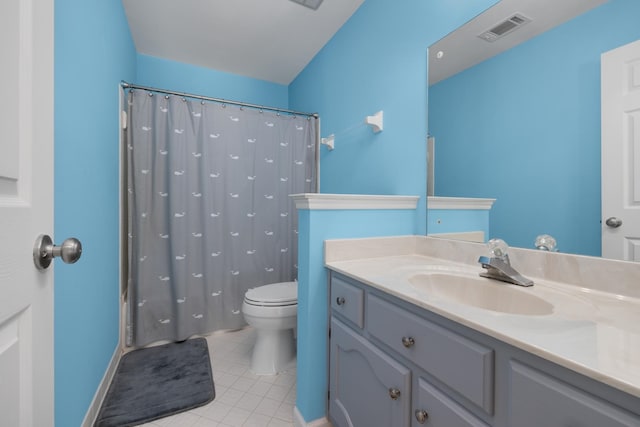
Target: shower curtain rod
(126, 85)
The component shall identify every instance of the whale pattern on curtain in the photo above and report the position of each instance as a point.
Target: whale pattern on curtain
(209, 212)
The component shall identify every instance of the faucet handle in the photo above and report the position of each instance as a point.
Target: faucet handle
(546, 242)
(498, 248)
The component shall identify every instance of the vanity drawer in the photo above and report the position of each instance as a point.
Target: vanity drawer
(441, 411)
(538, 399)
(348, 300)
(458, 362)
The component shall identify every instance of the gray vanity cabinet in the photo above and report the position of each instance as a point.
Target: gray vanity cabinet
(462, 364)
(393, 364)
(371, 386)
(367, 387)
(538, 399)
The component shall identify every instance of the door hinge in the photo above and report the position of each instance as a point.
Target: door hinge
(329, 332)
(328, 395)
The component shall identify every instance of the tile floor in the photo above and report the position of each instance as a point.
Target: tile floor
(242, 398)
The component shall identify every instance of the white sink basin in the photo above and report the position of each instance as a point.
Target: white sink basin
(480, 292)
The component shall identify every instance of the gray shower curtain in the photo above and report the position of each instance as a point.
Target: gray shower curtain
(209, 212)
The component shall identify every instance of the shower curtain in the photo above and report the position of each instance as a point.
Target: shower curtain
(209, 212)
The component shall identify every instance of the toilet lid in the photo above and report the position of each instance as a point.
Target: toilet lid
(284, 293)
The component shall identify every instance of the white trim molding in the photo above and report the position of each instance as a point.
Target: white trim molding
(101, 392)
(435, 202)
(321, 201)
(298, 420)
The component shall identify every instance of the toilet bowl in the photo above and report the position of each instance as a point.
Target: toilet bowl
(272, 311)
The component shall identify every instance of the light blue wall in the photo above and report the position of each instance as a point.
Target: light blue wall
(378, 61)
(165, 74)
(314, 227)
(93, 52)
(526, 131)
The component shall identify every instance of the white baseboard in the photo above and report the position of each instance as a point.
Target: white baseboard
(298, 420)
(92, 412)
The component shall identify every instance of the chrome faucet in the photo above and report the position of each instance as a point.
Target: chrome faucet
(499, 267)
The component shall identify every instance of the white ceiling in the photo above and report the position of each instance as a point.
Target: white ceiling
(463, 48)
(270, 40)
(274, 40)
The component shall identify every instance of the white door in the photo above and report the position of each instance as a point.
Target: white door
(26, 210)
(621, 152)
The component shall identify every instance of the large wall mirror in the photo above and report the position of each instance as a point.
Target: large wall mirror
(523, 126)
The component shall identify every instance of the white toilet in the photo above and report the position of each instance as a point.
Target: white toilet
(272, 311)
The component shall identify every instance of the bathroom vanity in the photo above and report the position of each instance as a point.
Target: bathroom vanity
(412, 341)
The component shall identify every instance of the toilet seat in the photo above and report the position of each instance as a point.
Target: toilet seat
(273, 295)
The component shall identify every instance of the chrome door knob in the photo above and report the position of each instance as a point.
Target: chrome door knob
(613, 222)
(44, 251)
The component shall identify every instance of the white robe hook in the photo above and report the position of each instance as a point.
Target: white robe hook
(375, 121)
(329, 141)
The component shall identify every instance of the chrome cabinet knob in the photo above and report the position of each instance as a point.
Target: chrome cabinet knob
(340, 300)
(44, 251)
(613, 222)
(394, 393)
(421, 416)
(408, 341)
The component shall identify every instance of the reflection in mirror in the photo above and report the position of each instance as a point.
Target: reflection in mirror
(523, 126)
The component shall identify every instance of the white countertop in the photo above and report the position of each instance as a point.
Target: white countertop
(589, 330)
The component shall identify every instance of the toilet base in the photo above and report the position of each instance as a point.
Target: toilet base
(273, 351)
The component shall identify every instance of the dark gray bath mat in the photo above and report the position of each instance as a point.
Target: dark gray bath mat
(155, 382)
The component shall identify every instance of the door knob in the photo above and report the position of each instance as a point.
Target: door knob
(44, 251)
(613, 222)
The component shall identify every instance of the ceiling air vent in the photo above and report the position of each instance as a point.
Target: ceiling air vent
(311, 4)
(505, 27)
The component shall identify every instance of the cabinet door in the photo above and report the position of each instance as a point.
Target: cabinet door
(440, 411)
(537, 399)
(368, 388)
